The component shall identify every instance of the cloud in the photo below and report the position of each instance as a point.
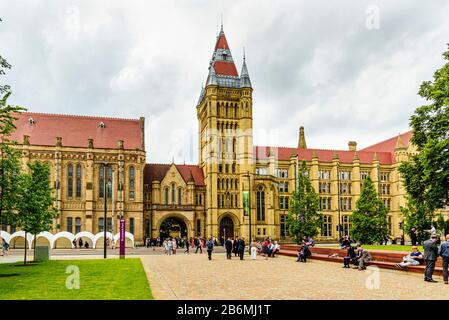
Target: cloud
(311, 63)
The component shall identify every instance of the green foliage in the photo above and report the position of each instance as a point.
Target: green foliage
(304, 218)
(426, 175)
(369, 219)
(417, 215)
(10, 169)
(35, 201)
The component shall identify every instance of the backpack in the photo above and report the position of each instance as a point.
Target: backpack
(210, 245)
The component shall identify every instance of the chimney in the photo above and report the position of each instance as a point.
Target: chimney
(90, 143)
(302, 139)
(58, 141)
(26, 140)
(120, 144)
(352, 146)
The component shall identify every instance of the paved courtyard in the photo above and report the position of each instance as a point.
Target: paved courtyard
(194, 277)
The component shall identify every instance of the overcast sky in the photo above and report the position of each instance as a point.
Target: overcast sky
(345, 70)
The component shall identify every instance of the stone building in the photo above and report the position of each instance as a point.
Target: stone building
(206, 199)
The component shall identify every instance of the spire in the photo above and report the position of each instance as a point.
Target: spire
(222, 57)
(212, 78)
(191, 179)
(399, 143)
(302, 139)
(245, 82)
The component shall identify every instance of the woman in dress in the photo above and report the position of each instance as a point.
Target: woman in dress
(235, 249)
(253, 246)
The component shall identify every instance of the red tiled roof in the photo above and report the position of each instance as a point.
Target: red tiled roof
(389, 144)
(225, 68)
(157, 171)
(76, 130)
(222, 43)
(345, 156)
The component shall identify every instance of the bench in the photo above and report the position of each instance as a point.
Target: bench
(381, 259)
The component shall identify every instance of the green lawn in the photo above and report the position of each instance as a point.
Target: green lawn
(98, 280)
(386, 247)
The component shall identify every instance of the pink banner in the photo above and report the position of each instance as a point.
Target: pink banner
(122, 238)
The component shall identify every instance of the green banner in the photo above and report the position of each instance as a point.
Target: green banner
(246, 203)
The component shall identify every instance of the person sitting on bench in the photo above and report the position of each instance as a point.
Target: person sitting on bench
(363, 257)
(412, 259)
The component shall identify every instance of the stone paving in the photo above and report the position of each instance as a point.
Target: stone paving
(194, 277)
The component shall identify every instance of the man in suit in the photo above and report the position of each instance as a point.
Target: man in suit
(444, 253)
(241, 247)
(430, 256)
(228, 246)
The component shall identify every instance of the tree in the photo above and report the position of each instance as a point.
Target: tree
(369, 219)
(426, 174)
(304, 218)
(10, 169)
(35, 204)
(417, 215)
(9, 156)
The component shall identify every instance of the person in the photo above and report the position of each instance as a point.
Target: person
(413, 236)
(170, 246)
(148, 242)
(345, 243)
(86, 245)
(235, 246)
(228, 246)
(430, 256)
(210, 248)
(174, 245)
(266, 248)
(303, 253)
(412, 259)
(253, 249)
(308, 241)
(362, 258)
(198, 245)
(350, 256)
(443, 251)
(107, 242)
(113, 244)
(276, 248)
(241, 247)
(80, 243)
(187, 250)
(271, 249)
(5, 247)
(74, 243)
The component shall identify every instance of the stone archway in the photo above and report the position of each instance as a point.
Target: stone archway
(226, 228)
(173, 227)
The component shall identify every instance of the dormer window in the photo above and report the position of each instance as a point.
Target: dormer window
(102, 125)
(30, 121)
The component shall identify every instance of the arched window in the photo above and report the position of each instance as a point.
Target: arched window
(100, 224)
(173, 194)
(166, 196)
(70, 180)
(179, 196)
(131, 225)
(101, 180)
(132, 179)
(260, 204)
(78, 180)
(70, 224)
(218, 183)
(77, 225)
(109, 181)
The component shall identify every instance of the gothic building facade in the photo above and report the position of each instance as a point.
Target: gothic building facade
(236, 189)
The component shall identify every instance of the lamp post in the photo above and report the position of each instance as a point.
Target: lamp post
(105, 194)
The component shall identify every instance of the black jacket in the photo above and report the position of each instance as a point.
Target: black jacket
(228, 244)
(430, 250)
(241, 245)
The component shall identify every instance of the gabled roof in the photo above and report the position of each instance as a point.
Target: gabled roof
(157, 171)
(345, 156)
(390, 144)
(75, 130)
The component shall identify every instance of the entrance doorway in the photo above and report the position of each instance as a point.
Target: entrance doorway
(226, 228)
(173, 228)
